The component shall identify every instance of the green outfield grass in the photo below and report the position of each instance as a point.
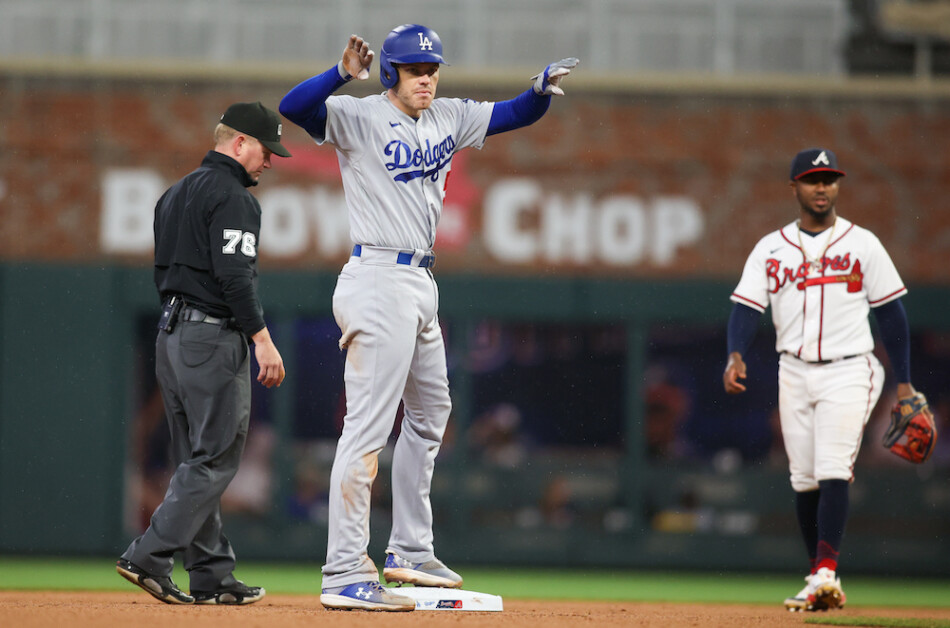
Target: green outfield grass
(514, 583)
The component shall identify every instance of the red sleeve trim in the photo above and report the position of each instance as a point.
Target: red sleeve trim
(890, 297)
(758, 306)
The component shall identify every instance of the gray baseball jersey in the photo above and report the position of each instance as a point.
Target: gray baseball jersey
(394, 168)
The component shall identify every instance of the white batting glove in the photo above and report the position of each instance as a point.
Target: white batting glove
(357, 59)
(548, 82)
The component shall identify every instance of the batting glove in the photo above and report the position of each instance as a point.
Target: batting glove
(548, 82)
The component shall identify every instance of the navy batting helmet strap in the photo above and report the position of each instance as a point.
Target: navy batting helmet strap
(814, 160)
(409, 43)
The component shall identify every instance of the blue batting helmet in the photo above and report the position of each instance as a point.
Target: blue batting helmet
(409, 43)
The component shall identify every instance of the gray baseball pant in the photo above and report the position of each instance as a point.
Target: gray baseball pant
(203, 371)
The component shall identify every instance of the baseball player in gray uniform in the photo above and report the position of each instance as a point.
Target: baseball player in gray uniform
(395, 151)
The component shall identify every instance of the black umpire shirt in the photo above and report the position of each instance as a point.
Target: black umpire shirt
(206, 232)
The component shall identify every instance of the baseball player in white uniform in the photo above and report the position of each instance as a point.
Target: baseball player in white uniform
(395, 152)
(821, 275)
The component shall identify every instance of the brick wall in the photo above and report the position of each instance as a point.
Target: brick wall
(726, 153)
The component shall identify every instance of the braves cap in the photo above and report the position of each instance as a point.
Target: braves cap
(814, 160)
(259, 122)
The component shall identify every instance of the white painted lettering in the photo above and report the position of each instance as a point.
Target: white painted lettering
(128, 209)
(622, 230)
(330, 220)
(506, 205)
(283, 222)
(677, 222)
(522, 224)
(565, 232)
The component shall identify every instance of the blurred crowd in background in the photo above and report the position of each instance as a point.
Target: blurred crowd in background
(541, 393)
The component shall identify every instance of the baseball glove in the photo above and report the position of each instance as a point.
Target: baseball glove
(912, 433)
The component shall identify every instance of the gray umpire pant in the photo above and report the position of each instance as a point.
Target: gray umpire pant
(203, 371)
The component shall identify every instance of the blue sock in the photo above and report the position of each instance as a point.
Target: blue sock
(806, 508)
(832, 517)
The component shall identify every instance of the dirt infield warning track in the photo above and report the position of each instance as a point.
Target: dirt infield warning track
(31, 609)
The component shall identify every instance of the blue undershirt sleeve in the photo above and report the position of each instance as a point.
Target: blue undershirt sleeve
(743, 322)
(526, 108)
(895, 334)
(305, 104)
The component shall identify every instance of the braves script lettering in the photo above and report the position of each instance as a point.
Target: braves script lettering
(779, 275)
(407, 161)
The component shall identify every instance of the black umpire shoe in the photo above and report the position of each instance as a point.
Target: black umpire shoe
(160, 587)
(235, 594)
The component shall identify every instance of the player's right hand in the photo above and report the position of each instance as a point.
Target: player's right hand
(357, 58)
(735, 370)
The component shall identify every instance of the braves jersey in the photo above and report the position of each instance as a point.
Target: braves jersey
(820, 288)
(394, 168)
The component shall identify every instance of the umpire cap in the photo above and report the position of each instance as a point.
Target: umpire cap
(814, 160)
(259, 122)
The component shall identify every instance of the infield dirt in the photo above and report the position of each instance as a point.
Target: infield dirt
(29, 609)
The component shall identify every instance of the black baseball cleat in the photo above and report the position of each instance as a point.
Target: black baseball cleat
(235, 594)
(160, 587)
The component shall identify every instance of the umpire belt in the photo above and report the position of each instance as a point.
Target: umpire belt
(382, 255)
(193, 315)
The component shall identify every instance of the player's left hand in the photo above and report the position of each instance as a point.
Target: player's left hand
(549, 82)
(357, 58)
(735, 370)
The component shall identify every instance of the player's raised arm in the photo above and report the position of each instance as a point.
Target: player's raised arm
(528, 107)
(305, 104)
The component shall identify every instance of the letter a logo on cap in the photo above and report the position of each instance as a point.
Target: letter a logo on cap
(822, 158)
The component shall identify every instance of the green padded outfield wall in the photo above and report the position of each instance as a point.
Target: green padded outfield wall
(67, 395)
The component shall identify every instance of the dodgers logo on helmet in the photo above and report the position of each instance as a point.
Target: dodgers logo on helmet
(409, 43)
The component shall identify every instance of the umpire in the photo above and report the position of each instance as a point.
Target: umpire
(206, 233)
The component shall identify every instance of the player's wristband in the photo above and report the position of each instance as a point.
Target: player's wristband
(346, 76)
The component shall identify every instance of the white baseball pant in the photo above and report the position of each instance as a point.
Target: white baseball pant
(823, 410)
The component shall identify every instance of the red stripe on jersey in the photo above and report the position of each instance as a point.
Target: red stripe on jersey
(795, 244)
(750, 301)
(867, 412)
(838, 239)
(818, 281)
(821, 317)
(890, 296)
(798, 354)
